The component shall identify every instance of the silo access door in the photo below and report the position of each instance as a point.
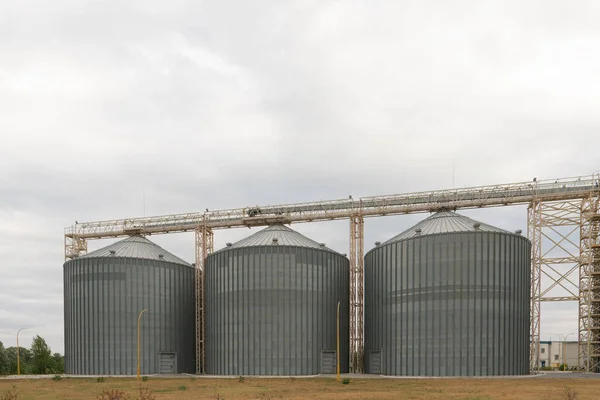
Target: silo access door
(167, 363)
(376, 362)
(328, 362)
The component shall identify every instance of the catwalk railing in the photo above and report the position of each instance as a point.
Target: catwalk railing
(464, 198)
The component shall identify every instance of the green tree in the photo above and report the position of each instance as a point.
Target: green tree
(38, 360)
(3, 360)
(42, 361)
(25, 359)
(58, 363)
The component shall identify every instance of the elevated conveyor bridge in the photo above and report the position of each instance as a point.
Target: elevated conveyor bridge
(565, 202)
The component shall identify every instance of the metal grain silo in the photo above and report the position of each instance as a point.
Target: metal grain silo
(448, 297)
(105, 291)
(271, 304)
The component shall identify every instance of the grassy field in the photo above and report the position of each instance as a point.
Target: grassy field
(300, 388)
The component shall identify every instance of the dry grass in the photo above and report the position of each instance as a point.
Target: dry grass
(289, 388)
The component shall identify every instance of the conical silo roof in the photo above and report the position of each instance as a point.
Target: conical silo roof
(278, 235)
(136, 247)
(445, 222)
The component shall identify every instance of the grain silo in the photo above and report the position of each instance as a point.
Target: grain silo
(106, 290)
(448, 297)
(271, 304)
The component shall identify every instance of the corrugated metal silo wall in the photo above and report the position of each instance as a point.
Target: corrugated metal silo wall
(271, 310)
(449, 305)
(103, 297)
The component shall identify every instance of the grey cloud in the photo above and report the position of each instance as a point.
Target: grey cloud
(192, 106)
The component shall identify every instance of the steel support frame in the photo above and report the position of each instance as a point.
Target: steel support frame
(535, 235)
(553, 228)
(74, 247)
(563, 189)
(537, 194)
(357, 229)
(204, 247)
(589, 285)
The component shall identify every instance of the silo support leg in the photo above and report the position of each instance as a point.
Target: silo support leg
(553, 228)
(357, 228)
(204, 246)
(589, 286)
(534, 234)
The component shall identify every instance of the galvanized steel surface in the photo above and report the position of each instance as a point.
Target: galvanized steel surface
(283, 235)
(103, 297)
(445, 222)
(271, 310)
(452, 304)
(136, 247)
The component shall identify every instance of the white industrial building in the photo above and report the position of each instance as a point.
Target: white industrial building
(553, 354)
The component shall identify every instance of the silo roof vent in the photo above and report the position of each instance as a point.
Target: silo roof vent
(418, 231)
(377, 243)
(518, 231)
(161, 256)
(275, 240)
(477, 225)
(112, 252)
(322, 244)
(228, 244)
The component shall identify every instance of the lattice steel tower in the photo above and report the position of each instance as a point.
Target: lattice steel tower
(589, 285)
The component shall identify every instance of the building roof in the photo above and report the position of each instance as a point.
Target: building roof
(285, 237)
(445, 222)
(136, 247)
(557, 341)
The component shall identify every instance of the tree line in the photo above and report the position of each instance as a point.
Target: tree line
(36, 360)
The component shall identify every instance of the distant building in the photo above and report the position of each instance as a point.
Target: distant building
(553, 354)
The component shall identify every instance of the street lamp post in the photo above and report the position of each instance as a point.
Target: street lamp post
(338, 341)
(138, 342)
(19, 353)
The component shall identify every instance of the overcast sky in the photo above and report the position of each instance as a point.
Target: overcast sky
(217, 104)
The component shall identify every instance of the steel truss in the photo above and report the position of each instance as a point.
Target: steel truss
(589, 286)
(204, 247)
(538, 194)
(463, 198)
(74, 246)
(357, 246)
(553, 228)
(534, 234)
